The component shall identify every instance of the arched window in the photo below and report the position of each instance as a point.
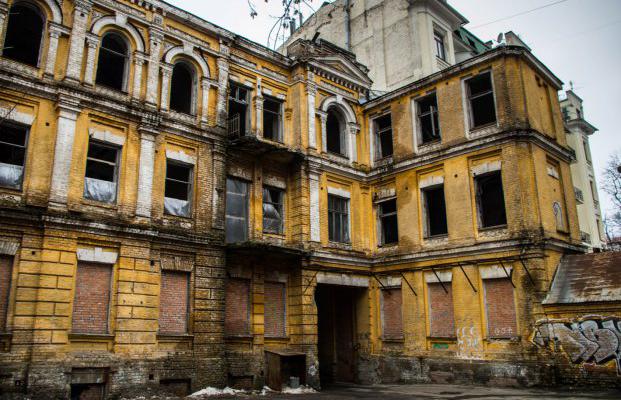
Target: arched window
(112, 63)
(335, 132)
(182, 87)
(23, 34)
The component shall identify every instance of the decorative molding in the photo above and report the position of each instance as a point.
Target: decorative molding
(97, 255)
(442, 276)
(495, 272)
(8, 248)
(12, 114)
(348, 279)
(181, 157)
(339, 192)
(107, 136)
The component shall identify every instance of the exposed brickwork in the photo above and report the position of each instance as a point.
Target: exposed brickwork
(174, 299)
(500, 306)
(5, 286)
(441, 317)
(275, 307)
(237, 317)
(92, 298)
(392, 314)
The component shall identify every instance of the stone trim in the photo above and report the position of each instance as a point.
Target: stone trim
(495, 272)
(384, 194)
(445, 277)
(171, 262)
(332, 278)
(315, 218)
(431, 181)
(8, 248)
(391, 282)
(107, 136)
(274, 181)
(486, 167)
(97, 255)
(11, 114)
(339, 192)
(181, 156)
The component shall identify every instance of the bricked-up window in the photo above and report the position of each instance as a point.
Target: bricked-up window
(13, 140)
(238, 110)
(481, 100)
(236, 211)
(112, 65)
(273, 210)
(338, 219)
(434, 211)
(91, 305)
(100, 182)
(174, 302)
(275, 309)
(237, 307)
(387, 215)
(272, 119)
(392, 316)
(438, 38)
(24, 32)
(428, 120)
(335, 132)
(441, 319)
(182, 88)
(178, 189)
(500, 308)
(6, 273)
(490, 200)
(383, 136)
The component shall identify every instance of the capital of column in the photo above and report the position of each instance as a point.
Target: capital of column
(354, 128)
(68, 107)
(323, 116)
(207, 83)
(55, 30)
(83, 6)
(92, 41)
(140, 58)
(167, 69)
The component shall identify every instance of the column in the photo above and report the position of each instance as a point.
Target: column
(52, 49)
(92, 42)
(206, 87)
(324, 135)
(223, 85)
(156, 38)
(145, 171)
(258, 109)
(353, 130)
(315, 217)
(139, 60)
(311, 92)
(68, 111)
(81, 11)
(167, 70)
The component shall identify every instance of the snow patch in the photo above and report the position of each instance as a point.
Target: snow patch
(211, 391)
(299, 390)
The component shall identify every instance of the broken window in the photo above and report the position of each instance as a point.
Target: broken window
(383, 136)
(92, 298)
(428, 121)
(24, 32)
(174, 302)
(236, 211)
(178, 189)
(13, 139)
(392, 317)
(112, 63)
(238, 110)
(273, 206)
(387, 214)
(338, 219)
(438, 38)
(182, 88)
(490, 200)
(500, 308)
(275, 309)
(441, 317)
(335, 133)
(6, 275)
(100, 182)
(434, 211)
(237, 307)
(272, 119)
(481, 100)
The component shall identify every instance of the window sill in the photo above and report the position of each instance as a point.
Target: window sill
(174, 337)
(179, 217)
(482, 130)
(20, 67)
(442, 237)
(512, 339)
(90, 337)
(238, 337)
(340, 245)
(388, 245)
(393, 339)
(493, 228)
(100, 204)
(442, 339)
(275, 235)
(277, 338)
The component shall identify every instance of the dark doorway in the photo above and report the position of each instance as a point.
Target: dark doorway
(337, 330)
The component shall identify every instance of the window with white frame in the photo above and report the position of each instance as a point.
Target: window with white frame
(428, 119)
(481, 105)
(178, 189)
(101, 177)
(383, 136)
(272, 119)
(338, 219)
(13, 141)
(387, 218)
(273, 210)
(438, 38)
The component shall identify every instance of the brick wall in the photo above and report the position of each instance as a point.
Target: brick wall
(5, 286)
(92, 298)
(237, 318)
(275, 307)
(500, 306)
(392, 316)
(174, 302)
(441, 317)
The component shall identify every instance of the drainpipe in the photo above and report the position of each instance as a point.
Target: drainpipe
(348, 26)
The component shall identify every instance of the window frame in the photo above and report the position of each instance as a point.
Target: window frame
(117, 168)
(27, 129)
(234, 87)
(380, 221)
(439, 39)
(44, 23)
(282, 193)
(190, 186)
(430, 113)
(478, 201)
(377, 137)
(280, 133)
(194, 90)
(344, 216)
(427, 215)
(127, 57)
(343, 136)
(246, 218)
(468, 99)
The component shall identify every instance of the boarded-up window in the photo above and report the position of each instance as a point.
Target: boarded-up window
(5, 287)
(441, 319)
(92, 298)
(392, 318)
(236, 211)
(237, 313)
(275, 309)
(500, 307)
(174, 299)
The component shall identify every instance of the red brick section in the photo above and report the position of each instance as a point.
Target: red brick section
(391, 314)
(237, 317)
(92, 298)
(174, 298)
(5, 286)
(275, 309)
(500, 306)
(441, 317)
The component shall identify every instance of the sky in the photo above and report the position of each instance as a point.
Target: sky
(577, 39)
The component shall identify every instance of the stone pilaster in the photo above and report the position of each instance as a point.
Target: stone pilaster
(92, 42)
(81, 11)
(145, 171)
(323, 117)
(311, 92)
(223, 85)
(4, 15)
(313, 184)
(167, 71)
(205, 87)
(139, 60)
(54, 31)
(258, 109)
(156, 39)
(352, 131)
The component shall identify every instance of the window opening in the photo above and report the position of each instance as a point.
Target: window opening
(428, 118)
(435, 211)
(389, 231)
(182, 88)
(490, 200)
(13, 140)
(272, 119)
(383, 136)
(112, 63)
(273, 205)
(100, 182)
(481, 98)
(178, 189)
(338, 219)
(24, 34)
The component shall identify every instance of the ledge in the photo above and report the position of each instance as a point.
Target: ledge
(90, 337)
(172, 337)
(393, 340)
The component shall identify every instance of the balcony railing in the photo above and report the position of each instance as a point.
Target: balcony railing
(234, 126)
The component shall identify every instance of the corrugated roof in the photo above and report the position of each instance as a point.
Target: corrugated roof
(587, 278)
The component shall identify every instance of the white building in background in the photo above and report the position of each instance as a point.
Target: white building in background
(400, 41)
(578, 131)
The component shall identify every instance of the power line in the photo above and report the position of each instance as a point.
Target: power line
(518, 14)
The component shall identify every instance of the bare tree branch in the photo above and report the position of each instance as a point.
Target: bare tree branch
(611, 185)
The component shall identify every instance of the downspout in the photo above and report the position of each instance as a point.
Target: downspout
(348, 26)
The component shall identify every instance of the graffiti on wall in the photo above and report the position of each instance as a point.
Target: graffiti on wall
(467, 342)
(590, 340)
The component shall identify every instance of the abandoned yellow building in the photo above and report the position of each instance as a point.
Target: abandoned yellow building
(177, 202)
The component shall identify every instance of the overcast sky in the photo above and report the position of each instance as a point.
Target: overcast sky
(577, 39)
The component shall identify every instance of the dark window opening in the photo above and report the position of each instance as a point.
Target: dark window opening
(176, 387)
(435, 211)
(100, 181)
(112, 63)
(490, 200)
(481, 98)
(236, 211)
(272, 119)
(273, 205)
(238, 110)
(178, 189)
(23, 34)
(338, 219)
(90, 391)
(335, 135)
(182, 88)
(440, 48)
(428, 118)
(389, 231)
(13, 141)
(383, 136)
